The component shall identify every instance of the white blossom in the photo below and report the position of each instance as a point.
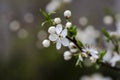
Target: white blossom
(72, 47)
(59, 36)
(88, 35)
(92, 52)
(51, 29)
(67, 13)
(68, 25)
(46, 43)
(57, 20)
(67, 55)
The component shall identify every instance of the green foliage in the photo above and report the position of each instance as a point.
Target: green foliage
(108, 11)
(72, 31)
(106, 34)
(47, 18)
(80, 43)
(101, 56)
(79, 63)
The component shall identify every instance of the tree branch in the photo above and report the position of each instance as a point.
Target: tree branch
(102, 63)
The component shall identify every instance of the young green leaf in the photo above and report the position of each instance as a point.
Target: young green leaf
(80, 43)
(72, 31)
(47, 17)
(106, 34)
(101, 56)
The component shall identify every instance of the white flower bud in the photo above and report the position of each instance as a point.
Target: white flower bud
(68, 24)
(57, 20)
(51, 29)
(67, 55)
(46, 43)
(108, 20)
(67, 13)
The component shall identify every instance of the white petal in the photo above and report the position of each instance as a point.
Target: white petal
(65, 42)
(51, 30)
(58, 28)
(64, 33)
(94, 55)
(53, 37)
(58, 45)
(94, 51)
(80, 58)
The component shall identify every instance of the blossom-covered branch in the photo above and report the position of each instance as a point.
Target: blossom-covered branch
(65, 35)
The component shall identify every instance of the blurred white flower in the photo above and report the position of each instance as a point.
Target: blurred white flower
(88, 36)
(42, 35)
(29, 17)
(114, 59)
(53, 5)
(95, 76)
(46, 43)
(14, 25)
(59, 36)
(57, 20)
(67, 55)
(67, 1)
(83, 21)
(67, 14)
(107, 57)
(108, 20)
(22, 33)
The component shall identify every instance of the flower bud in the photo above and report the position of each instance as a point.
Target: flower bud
(68, 24)
(51, 29)
(57, 20)
(67, 14)
(46, 43)
(67, 55)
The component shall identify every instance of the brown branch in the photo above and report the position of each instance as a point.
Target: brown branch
(75, 42)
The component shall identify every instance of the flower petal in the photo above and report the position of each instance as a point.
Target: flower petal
(53, 37)
(58, 44)
(58, 28)
(64, 33)
(80, 58)
(65, 42)
(94, 55)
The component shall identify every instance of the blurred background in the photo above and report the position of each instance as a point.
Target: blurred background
(22, 56)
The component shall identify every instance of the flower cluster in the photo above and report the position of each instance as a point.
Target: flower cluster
(65, 35)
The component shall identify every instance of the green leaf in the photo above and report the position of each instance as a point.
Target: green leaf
(43, 23)
(106, 34)
(80, 43)
(78, 63)
(72, 31)
(47, 17)
(102, 54)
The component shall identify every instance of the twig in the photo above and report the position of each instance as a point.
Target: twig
(102, 63)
